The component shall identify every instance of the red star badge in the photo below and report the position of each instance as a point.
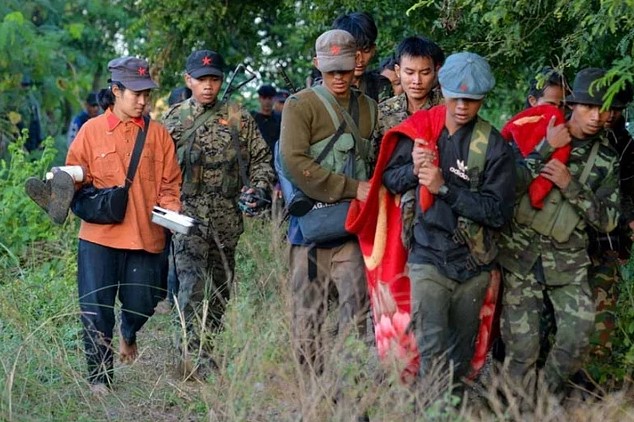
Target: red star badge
(464, 87)
(142, 71)
(207, 61)
(335, 50)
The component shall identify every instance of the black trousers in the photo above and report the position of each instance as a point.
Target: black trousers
(103, 273)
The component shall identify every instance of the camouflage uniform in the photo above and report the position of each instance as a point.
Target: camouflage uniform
(394, 111)
(205, 260)
(607, 250)
(537, 265)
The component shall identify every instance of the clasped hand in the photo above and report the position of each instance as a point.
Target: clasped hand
(429, 174)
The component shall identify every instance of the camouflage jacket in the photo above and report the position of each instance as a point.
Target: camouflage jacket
(394, 111)
(619, 240)
(212, 183)
(596, 202)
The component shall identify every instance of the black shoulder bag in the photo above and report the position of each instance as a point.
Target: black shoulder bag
(109, 205)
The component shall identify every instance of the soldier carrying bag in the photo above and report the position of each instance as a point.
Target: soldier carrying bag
(109, 205)
(325, 222)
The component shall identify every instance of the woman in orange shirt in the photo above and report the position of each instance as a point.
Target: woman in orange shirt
(122, 259)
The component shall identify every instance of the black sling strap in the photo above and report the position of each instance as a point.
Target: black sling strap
(136, 153)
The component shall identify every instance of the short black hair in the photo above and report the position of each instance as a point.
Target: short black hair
(417, 46)
(547, 76)
(361, 26)
(267, 91)
(623, 97)
(387, 63)
(91, 99)
(178, 95)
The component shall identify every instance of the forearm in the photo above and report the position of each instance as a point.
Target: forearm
(399, 176)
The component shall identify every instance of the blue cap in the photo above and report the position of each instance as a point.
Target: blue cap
(466, 75)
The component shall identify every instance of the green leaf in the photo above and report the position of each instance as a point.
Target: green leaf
(75, 30)
(15, 17)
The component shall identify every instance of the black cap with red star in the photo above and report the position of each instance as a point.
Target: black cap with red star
(203, 63)
(133, 73)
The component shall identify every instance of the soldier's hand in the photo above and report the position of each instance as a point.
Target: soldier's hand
(253, 200)
(557, 136)
(422, 154)
(363, 189)
(430, 176)
(557, 172)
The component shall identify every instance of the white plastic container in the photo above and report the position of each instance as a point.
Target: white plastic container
(172, 220)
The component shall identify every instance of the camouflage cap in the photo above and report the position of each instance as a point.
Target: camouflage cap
(204, 63)
(336, 50)
(582, 92)
(465, 75)
(133, 73)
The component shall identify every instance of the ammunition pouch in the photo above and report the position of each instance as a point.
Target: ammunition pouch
(557, 219)
(191, 164)
(338, 156)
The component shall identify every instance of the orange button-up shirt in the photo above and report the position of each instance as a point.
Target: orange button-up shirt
(103, 147)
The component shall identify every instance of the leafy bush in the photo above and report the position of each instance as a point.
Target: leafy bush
(22, 221)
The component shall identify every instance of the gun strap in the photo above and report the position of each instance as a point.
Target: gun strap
(188, 137)
(590, 163)
(312, 262)
(234, 127)
(477, 152)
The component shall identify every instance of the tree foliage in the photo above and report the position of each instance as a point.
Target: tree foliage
(62, 47)
(65, 45)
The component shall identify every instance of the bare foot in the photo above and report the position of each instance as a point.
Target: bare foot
(127, 352)
(99, 389)
(164, 307)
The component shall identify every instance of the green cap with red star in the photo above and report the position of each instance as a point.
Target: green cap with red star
(133, 73)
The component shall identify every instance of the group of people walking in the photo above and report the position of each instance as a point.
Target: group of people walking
(527, 202)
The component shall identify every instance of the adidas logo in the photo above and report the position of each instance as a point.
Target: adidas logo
(461, 171)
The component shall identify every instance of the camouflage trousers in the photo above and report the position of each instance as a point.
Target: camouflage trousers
(522, 304)
(603, 276)
(205, 273)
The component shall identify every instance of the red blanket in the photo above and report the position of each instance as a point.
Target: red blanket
(377, 223)
(527, 129)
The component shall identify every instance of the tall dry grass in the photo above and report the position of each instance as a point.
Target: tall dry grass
(260, 378)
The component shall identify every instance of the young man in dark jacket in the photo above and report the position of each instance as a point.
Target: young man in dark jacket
(448, 283)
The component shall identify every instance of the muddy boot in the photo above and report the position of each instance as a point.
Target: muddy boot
(39, 191)
(62, 192)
